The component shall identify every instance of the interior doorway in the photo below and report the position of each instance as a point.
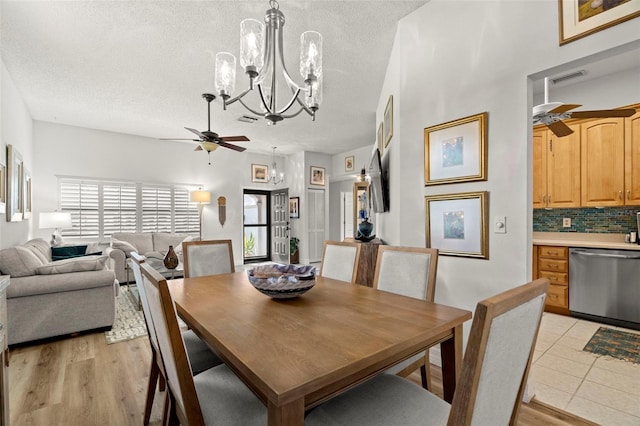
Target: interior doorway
(256, 224)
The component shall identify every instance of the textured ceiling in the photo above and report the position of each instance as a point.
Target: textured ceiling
(139, 67)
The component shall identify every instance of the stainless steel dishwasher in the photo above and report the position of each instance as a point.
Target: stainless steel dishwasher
(604, 286)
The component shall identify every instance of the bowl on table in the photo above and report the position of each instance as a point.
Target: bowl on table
(282, 281)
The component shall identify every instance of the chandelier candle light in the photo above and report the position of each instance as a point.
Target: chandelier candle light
(261, 47)
(273, 175)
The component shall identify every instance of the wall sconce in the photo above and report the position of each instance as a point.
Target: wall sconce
(222, 210)
(201, 197)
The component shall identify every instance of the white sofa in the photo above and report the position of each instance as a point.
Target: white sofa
(153, 245)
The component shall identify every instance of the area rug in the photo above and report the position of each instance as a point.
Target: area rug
(129, 322)
(616, 344)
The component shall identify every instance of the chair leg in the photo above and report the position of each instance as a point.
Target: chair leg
(425, 372)
(163, 383)
(151, 389)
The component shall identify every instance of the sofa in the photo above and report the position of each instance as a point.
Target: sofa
(48, 298)
(152, 245)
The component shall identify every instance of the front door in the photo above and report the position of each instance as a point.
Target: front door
(280, 225)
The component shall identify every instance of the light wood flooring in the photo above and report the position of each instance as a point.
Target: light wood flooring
(83, 381)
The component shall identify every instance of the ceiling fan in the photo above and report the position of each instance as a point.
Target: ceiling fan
(210, 141)
(551, 114)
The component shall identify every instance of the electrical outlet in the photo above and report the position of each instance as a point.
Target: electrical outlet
(566, 222)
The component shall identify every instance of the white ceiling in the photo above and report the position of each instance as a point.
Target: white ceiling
(140, 67)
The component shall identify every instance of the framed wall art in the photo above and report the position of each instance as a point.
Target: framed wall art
(294, 208)
(388, 122)
(580, 18)
(259, 173)
(456, 151)
(348, 163)
(27, 196)
(14, 185)
(381, 138)
(3, 188)
(457, 224)
(317, 175)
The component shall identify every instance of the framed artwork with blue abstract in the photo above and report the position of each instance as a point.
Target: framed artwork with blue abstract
(456, 151)
(457, 224)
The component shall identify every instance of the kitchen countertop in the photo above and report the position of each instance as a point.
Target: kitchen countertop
(575, 239)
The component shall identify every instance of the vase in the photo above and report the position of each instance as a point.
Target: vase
(171, 259)
(365, 229)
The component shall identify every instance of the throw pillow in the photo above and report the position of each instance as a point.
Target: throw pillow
(87, 263)
(41, 248)
(19, 261)
(66, 252)
(126, 247)
(179, 247)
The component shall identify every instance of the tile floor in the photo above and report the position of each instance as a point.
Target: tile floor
(598, 388)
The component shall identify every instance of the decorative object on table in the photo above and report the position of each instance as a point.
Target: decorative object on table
(273, 176)
(201, 197)
(14, 203)
(294, 252)
(222, 210)
(171, 260)
(3, 188)
(364, 231)
(457, 224)
(55, 220)
(210, 141)
(261, 51)
(348, 163)
(456, 151)
(580, 18)
(294, 207)
(381, 137)
(282, 281)
(259, 173)
(317, 175)
(388, 122)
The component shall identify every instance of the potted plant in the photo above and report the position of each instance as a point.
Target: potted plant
(294, 253)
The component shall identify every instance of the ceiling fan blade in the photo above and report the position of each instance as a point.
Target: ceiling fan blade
(564, 108)
(559, 129)
(196, 132)
(178, 139)
(234, 138)
(604, 113)
(198, 148)
(234, 147)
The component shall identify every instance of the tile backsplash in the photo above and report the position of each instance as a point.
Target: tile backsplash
(608, 220)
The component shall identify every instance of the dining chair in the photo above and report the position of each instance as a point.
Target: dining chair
(209, 257)
(340, 260)
(215, 396)
(492, 379)
(200, 356)
(409, 271)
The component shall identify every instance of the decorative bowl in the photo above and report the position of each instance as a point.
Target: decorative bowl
(282, 281)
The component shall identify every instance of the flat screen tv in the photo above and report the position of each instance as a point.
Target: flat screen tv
(379, 188)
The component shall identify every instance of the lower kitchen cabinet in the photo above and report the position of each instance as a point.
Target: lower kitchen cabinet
(552, 263)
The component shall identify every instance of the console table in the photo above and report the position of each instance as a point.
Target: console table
(4, 353)
(368, 258)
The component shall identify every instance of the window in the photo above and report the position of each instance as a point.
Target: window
(100, 209)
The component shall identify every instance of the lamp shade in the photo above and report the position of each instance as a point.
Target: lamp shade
(200, 196)
(49, 220)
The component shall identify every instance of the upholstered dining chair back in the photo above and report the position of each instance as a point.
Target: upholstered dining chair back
(135, 261)
(211, 257)
(409, 271)
(340, 261)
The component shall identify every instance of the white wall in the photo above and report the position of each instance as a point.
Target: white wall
(440, 72)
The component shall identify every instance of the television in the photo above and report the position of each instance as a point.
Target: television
(379, 185)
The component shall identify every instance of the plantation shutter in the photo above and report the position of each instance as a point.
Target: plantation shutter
(156, 209)
(119, 208)
(186, 218)
(82, 200)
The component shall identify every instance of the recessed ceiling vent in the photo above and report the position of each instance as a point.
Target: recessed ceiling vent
(576, 74)
(248, 119)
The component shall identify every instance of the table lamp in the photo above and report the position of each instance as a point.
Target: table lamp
(55, 220)
(201, 197)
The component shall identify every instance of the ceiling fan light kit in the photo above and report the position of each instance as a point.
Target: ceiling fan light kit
(261, 48)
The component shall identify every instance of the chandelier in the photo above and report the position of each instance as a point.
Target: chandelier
(261, 49)
(274, 177)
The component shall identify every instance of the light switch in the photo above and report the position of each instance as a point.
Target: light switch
(500, 225)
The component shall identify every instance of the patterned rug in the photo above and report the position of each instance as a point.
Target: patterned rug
(129, 322)
(616, 344)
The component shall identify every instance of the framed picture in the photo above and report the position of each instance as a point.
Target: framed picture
(259, 173)
(3, 188)
(456, 151)
(580, 18)
(294, 208)
(457, 224)
(14, 185)
(26, 193)
(381, 138)
(388, 122)
(317, 175)
(348, 163)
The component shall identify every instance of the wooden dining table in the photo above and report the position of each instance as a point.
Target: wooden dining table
(296, 353)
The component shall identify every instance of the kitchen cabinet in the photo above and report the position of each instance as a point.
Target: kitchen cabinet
(556, 169)
(632, 158)
(552, 262)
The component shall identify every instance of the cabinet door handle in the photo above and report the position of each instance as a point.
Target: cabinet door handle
(544, 198)
(620, 195)
(549, 198)
(628, 194)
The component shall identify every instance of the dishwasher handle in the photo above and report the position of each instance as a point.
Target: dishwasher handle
(615, 256)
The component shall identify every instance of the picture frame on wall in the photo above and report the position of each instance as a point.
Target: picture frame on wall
(3, 188)
(259, 173)
(27, 196)
(294, 207)
(456, 151)
(349, 163)
(388, 122)
(14, 203)
(317, 175)
(457, 224)
(381, 137)
(580, 18)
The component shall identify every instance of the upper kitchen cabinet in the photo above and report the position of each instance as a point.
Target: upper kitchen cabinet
(632, 158)
(556, 169)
